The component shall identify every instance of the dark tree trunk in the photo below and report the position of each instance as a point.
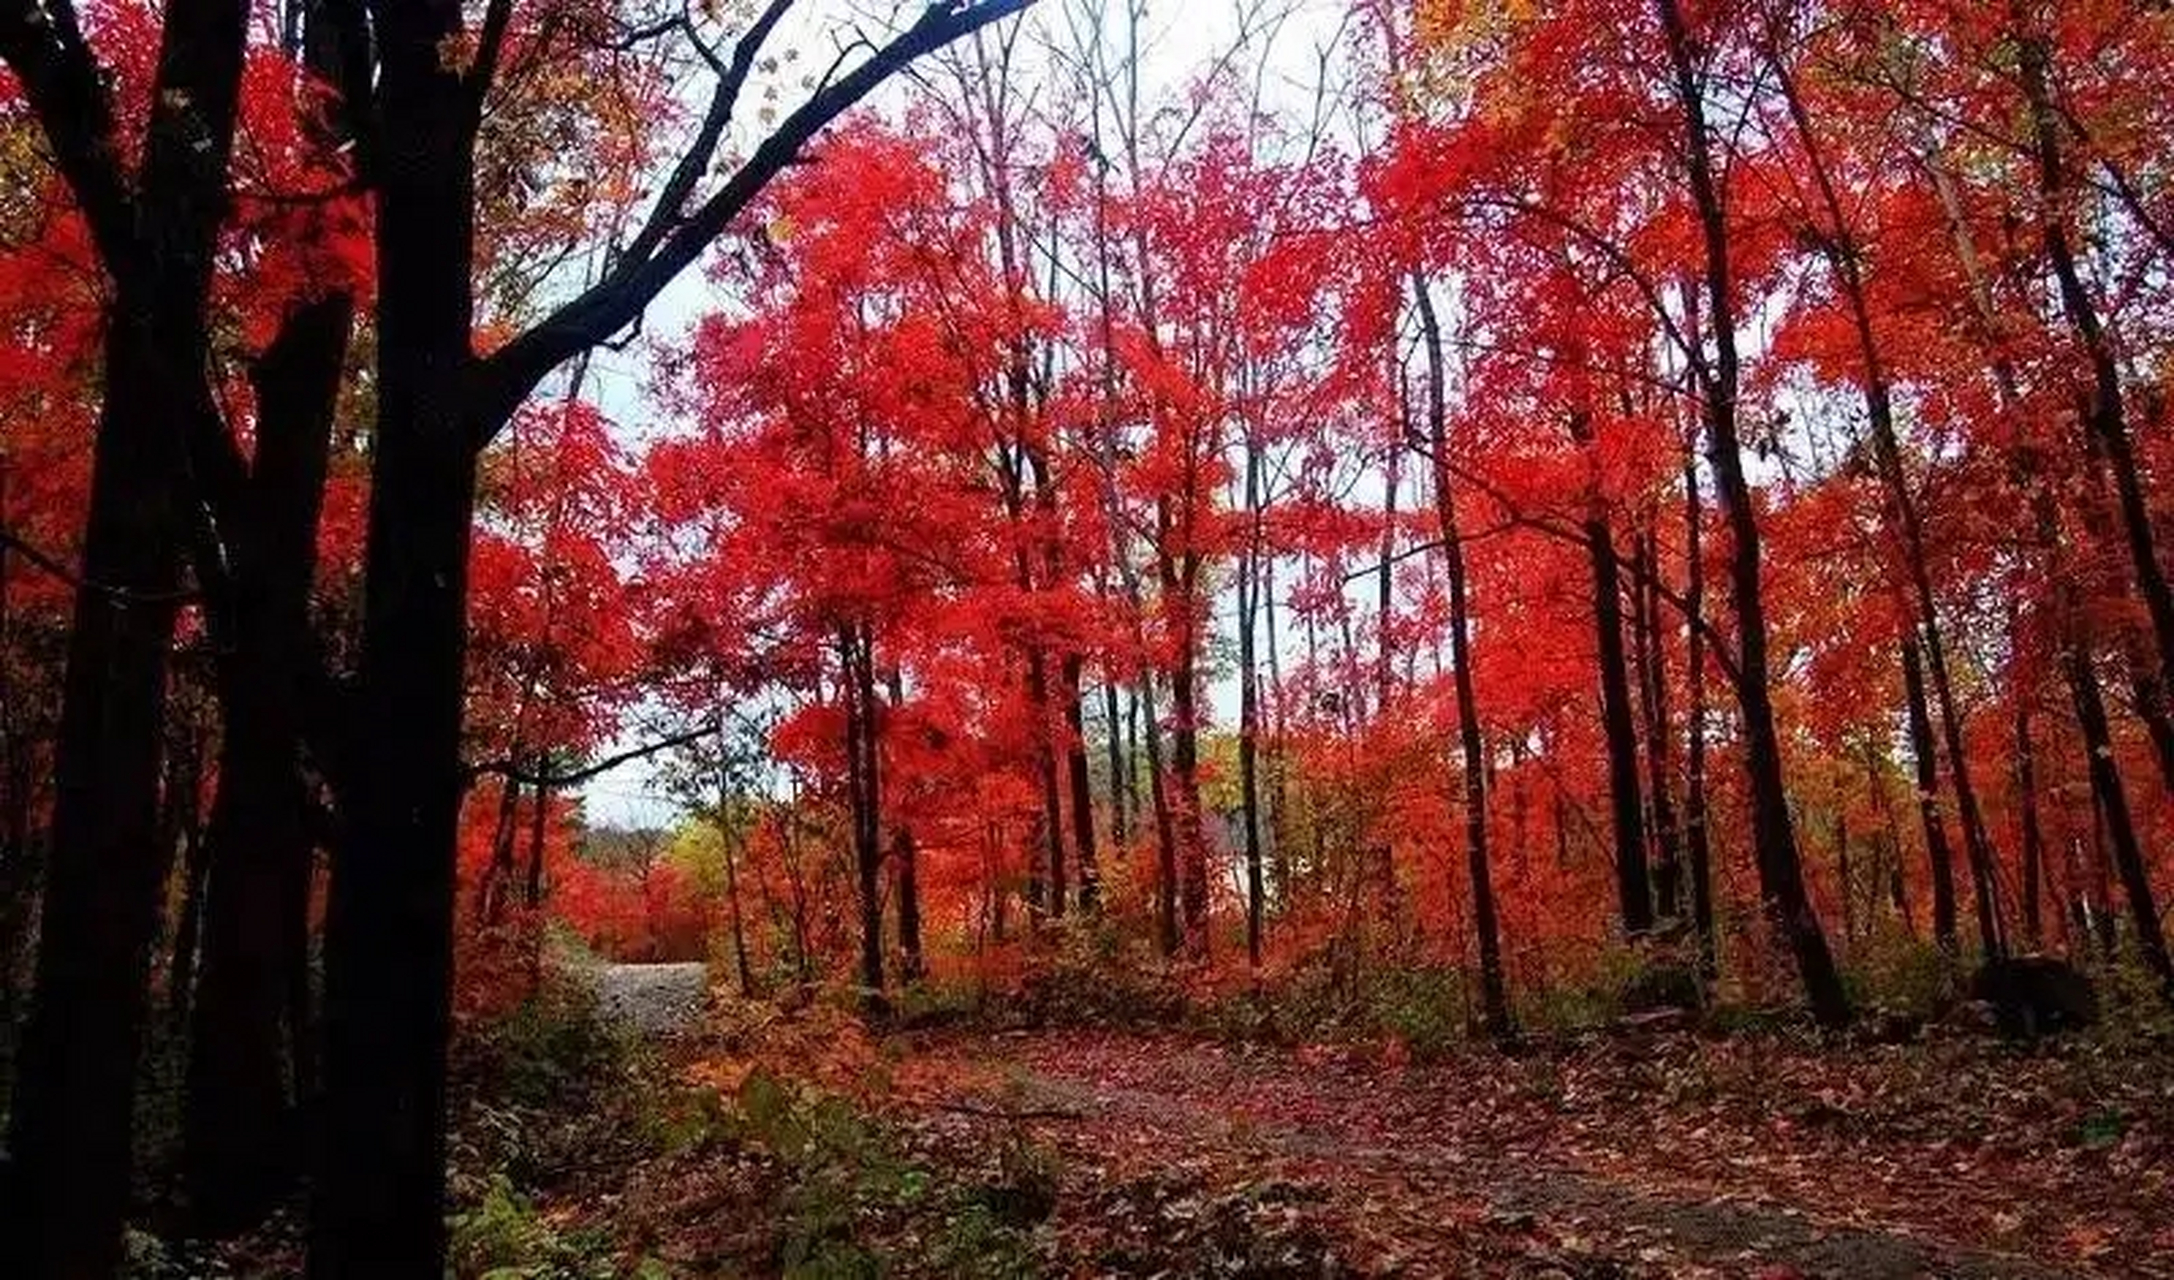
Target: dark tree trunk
(1249, 713)
(75, 1071)
(1844, 258)
(1634, 889)
(539, 818)
(2113, 808)
(728, 840)
(1110, 715)
(1494, 991)
(857, 685)
(1928, 800)
(1696, 838)
(1185, 749)
(2034, 840)
(1045, 871)
(1072, 677)
(2107, 419)
(1781, 874)
(240, 1156)
(379, 1207)
(70, 1122)
(1651, 663)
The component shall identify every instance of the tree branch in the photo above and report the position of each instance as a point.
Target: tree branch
(512, 770)
(507, 376)
(42, 41)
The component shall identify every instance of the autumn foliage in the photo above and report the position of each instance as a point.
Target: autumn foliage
(1590, 491)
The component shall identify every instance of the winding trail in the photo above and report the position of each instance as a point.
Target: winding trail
(654, 999)
(1439, 1171)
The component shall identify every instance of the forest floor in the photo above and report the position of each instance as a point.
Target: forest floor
(1637, 1152)
(1662, 1156)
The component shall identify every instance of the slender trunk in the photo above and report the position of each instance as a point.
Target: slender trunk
(2034, 840)
(1696, 838)
(1278, 774)
(1177, 579)
(1844, 258)
(1494, 994)
(2107, 419)
(539, 823)
(1045, 873)
(492, 894)
(1651, 663)
(2120, 826)
(1928, 800)
(905, 859)
(1071, 677)
(1634, 890)
(728, 840)
(1781, 874)
(1249, 712)
(1119, 831)
(864, 791)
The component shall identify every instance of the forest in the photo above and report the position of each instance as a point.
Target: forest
(1259, 638)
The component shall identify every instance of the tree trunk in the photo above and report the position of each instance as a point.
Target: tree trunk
(1634, 890)
(2034, 840)
(1696, 838)
(1177, 578)
(379, 1207)
(1495, 1012)
(864, 794)
(1249, 714)
(1071, 678)
(2113, 806)
(240, 1154)
(1781, 875)
(1651, 663)
(1928, 800)
(2107, 419)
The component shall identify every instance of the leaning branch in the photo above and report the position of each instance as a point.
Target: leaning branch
(53, 565)
(507, 376)
(511, 769)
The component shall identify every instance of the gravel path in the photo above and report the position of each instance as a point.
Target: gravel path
(654, 999)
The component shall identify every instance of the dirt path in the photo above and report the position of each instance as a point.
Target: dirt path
(654, 999)
(1288, 1165)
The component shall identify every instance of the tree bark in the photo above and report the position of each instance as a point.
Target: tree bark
(1495, 1014)
(240, 1154)
(1651, 664)
(379, 1206)
(1928, 800)
(1781, 875)
(70, 1122)
(1697, 839)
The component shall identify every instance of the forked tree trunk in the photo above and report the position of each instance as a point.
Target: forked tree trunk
(240, 1140)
